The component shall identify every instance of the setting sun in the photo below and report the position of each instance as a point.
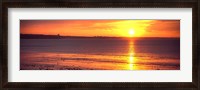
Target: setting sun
(131, 32)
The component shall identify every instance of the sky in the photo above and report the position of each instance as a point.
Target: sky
(107, 28)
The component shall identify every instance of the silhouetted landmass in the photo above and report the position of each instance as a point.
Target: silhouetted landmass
(41, 36)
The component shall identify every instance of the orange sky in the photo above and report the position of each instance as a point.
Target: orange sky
(112, 28)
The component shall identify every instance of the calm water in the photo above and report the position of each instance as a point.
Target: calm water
(100, 54)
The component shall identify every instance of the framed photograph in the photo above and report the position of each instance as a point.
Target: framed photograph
(100, 44)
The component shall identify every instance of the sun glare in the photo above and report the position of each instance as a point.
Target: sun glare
(131, 32)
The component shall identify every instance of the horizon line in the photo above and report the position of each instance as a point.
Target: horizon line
(95, 36)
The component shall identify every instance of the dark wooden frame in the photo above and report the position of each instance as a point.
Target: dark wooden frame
(194, 4)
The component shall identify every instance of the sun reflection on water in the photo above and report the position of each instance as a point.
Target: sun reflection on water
(131, 56)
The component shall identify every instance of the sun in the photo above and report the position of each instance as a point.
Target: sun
(131, 32)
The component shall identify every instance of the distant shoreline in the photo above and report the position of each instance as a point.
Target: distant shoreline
(41, 36)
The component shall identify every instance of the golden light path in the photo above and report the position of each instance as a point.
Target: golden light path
(131, 55)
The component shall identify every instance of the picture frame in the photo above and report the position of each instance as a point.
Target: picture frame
(195, 5)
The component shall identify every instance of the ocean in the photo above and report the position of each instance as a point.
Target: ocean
(100, 54)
